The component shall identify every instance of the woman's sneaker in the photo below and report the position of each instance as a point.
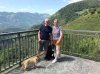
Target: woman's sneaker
(54, 61)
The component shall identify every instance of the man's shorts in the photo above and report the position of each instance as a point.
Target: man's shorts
(57, 44)
(43, 45)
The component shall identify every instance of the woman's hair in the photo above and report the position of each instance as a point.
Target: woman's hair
(56, 20)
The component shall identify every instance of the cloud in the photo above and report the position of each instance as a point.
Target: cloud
(64, 0)
(2, 7)
(24, 9)
(72, 1)
(50, 11)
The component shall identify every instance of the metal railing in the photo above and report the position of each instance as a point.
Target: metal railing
(82, 43)
(16, 47)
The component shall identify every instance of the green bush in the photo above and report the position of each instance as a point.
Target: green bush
(92, 10)
(98, 11)
(82, 45)
(89, 46)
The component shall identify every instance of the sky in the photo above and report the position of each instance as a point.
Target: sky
(34, 6)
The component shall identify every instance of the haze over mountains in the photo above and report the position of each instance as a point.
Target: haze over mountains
(82, 15)
(12, 22)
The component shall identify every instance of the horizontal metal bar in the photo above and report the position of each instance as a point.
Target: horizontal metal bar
(87, 31)
(13, 33)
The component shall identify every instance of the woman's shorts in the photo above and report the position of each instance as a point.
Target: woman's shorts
(57, 44)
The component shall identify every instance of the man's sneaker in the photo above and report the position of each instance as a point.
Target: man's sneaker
(54, 61)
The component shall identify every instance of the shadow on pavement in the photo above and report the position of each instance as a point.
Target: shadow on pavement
(66, 58)
(37, 67)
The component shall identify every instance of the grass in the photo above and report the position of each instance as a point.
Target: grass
(85, 22)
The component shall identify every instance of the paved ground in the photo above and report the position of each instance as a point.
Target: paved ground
(65, 65)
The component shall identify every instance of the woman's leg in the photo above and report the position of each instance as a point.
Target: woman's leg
(57, 54)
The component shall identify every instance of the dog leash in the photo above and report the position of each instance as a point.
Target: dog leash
(49, 65)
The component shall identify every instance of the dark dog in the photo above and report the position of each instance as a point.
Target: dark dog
(50, 53)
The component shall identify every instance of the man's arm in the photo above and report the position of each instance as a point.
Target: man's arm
(39, 36)
(51, 36)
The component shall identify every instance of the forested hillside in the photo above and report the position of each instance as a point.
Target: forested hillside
(89, 20)
(69, 12)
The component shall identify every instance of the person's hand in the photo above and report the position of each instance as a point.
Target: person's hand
(51, 42)
(39, 40)
(58, 41)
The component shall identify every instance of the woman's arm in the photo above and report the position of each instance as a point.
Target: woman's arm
(61, 35)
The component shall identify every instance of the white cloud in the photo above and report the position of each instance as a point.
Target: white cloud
(23, 9)
(64, 0)
(72, 1)
(50, 11)
(2, 7)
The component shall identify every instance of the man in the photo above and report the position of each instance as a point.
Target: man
(44, 36)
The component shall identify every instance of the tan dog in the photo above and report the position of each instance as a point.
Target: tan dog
(33, 61)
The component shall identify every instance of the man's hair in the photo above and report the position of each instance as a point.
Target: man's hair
(46, 19)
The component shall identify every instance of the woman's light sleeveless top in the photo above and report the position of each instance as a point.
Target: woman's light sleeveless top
(56, 33)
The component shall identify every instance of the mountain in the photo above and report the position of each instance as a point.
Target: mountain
(20, 20)
(89, 20)
(69, 13)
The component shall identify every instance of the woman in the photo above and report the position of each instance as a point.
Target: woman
(57, 38)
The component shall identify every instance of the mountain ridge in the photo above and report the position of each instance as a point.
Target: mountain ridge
(21, 20)
(68, 13)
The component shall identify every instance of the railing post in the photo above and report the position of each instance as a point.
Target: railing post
(0, 60)
(19, 42)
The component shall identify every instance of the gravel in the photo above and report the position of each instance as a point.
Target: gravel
(65, 65)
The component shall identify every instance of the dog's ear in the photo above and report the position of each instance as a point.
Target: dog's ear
(37, 58)
(37, 55)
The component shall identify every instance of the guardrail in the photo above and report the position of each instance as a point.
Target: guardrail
(82, 43)
(16, 47)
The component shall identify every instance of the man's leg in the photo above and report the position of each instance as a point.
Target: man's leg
(40, 46)
(46, 44)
